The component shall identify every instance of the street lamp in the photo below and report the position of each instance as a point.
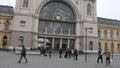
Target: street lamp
(112, 43)
(90, 30)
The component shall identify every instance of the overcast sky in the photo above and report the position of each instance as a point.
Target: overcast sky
(105, 8)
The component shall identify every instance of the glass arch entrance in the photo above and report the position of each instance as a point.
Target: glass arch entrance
(57, 25)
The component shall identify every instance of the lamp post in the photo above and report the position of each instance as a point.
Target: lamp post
(112, 44)
(90, 30)
(112, 49)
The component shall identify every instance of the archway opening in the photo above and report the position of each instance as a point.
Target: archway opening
(57, 22)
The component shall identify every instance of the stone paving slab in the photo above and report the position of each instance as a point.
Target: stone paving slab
(9, 60)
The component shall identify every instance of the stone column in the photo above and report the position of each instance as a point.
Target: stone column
(60, 43)
(68, 43)
(77, 44)
(35, 41)
(78, 30)
(45, 42)
(53, 40)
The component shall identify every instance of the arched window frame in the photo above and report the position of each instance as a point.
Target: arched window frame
(90, 9)
(99, 45)
(118, 48)
(6, 25)
(117, 35)
(5, 38)
(111, 35)
(21, 40)
(57, 27)
(112, 47)
(99, 33)
(105, 47)
(105, 34)
(25, 3)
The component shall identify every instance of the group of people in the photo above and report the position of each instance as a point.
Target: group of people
(45, 51)
(100, 56)
(68, 54)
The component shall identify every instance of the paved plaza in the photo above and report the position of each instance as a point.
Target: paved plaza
(9, 60)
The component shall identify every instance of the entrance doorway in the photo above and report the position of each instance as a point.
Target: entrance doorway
(64, 47)
(56, 43)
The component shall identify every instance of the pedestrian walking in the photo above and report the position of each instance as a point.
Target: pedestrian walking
(44, 52)
(60, 53)
(100, 54)
(23, 54)
(50, 51)
(107, 56)
(14, 49)
(76, 54)
(66, 54)
(70, 53)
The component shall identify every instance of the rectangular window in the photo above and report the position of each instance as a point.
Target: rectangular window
(25, 3)
(22, 23)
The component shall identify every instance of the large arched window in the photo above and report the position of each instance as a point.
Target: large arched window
(90, 45)
(5, 38)
(57, 17)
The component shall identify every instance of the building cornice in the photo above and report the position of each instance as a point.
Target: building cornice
(28, 15)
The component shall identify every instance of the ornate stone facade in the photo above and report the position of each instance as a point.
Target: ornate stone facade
(55, 23)
(6, 18)
(109, 34)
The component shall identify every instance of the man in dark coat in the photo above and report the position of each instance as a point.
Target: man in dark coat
(66, 54)
(100, 56)
(75, 54)
(60, 52)
(23, 54)
(70, 53)
(49, 51)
